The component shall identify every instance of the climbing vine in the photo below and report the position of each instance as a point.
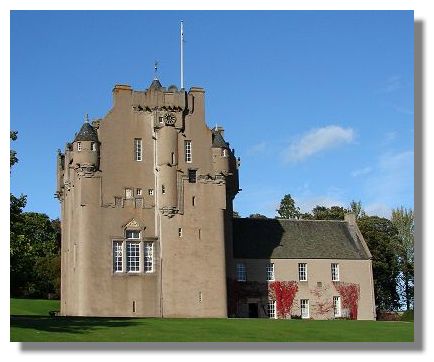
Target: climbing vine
(350, 294)
(283, 292)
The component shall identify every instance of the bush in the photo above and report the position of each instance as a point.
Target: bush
(408, 316)
(388, 316)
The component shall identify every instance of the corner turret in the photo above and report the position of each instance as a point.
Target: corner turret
(86, 148)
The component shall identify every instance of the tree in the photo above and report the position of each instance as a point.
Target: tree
(287, 208)
(331, 213)
(257, 216)
(13, 137)
(381, 236)
(356, 209)
(35, 256)
(235, 214)
(403, 220)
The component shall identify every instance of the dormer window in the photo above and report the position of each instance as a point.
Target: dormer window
(78, 146)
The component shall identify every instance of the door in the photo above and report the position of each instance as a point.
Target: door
(253, 310)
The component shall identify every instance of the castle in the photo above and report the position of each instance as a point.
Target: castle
(146, 199)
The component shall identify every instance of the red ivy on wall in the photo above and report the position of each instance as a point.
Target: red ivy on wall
(350, 294)
(283, 292)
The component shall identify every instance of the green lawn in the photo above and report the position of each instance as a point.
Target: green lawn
(30, 322)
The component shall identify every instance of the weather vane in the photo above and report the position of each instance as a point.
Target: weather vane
(86, 118)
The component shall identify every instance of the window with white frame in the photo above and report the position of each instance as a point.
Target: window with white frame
(139, 192)
(132, 234)
(270, 272)
(335, 272)
(151, 192)
(271, 309)
(241, 272)
(304, 306)
(117, 256)
(78, 146)
(188, 151)
(302, 272)
(337, 306)
(138, 149)
(133, 256)
(128, 193)
(148, 249)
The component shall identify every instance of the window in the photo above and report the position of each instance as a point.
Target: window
(93, 146)
(271, 309)
(161, 119)
(304, 306)
(337, 306)
(188, 153)
(302, 272)
(139, 192)
(200, 297)
(78, 146)
(192, 176)
(138, 149)
(133, 256)
(241, 272)
(180, 232)
(117, 256)
(335, 272)
(225, 152)
(148, 249)
(193, 201)
(151, 192)
(132, 234)
(163, 189)
(173, 158)
(270, 272)
(199, 234)
(128, 193)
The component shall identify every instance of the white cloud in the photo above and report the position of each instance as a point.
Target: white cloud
(361, 171)
(318, 140)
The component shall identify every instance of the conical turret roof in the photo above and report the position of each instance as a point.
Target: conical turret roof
(218, 140)
(155, 84)
(86, 133)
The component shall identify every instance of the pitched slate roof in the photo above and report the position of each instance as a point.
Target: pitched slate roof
(218, 140)
(86, 133)
(295, 239)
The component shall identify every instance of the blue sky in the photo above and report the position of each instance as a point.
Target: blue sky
(316, 104)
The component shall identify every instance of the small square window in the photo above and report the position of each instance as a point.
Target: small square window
(192, 176)
(180, 232)
(151, 192)
(163, 189)
(139, 192)
(132, 234)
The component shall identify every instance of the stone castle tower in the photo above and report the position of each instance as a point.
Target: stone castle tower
(146, 205)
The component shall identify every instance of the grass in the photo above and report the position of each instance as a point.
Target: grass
(30, 323)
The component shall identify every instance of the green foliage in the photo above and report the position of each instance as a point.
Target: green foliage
(34, 255)
(329, 213)
(403, 220)
(356, 209)
(257, 216)
(235, 214)
(13, 154)
(408, 315)
(381, 237)
(287, 208)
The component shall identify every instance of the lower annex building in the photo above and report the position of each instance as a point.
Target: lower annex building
(146, 198)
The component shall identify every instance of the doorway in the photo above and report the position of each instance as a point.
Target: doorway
(253, 310)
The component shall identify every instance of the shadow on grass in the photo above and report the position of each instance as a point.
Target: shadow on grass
(68, 324)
